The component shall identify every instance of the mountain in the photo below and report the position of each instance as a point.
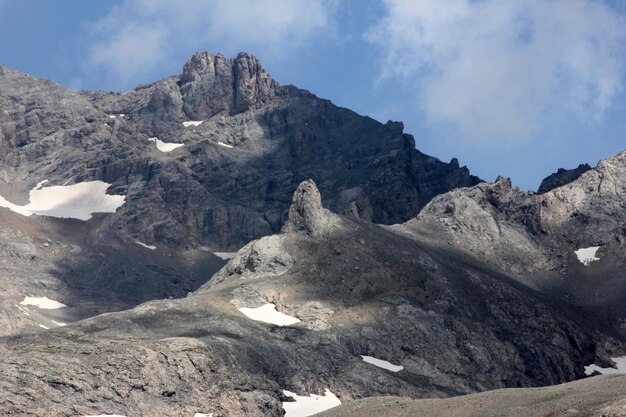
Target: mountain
(250, 143)
(455, 324)
(218, 244)
(233, 179)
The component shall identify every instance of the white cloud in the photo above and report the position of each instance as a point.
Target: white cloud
(499, 69)
(141, 34)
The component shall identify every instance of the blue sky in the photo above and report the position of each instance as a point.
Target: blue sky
(514, 88)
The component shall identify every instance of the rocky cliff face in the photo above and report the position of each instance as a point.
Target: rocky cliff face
(233, 180)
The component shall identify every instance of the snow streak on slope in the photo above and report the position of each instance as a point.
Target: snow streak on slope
(165, 146)
(193, 123)
(382, 364)
(76, 201)
(620, 367)
(151, 247)
(267, 313)
(42, 302)
(304, 406)
(587, 255)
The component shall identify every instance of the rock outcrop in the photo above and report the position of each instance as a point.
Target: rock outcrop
(211, 84)
(306, 214)
(561, 177)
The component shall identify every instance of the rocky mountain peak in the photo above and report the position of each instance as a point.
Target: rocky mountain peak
(306, 214)
(211, 83)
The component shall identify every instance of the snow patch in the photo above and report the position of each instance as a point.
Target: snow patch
(165, 146)
(267, 314)
(620, 367)
(225, 255)
(193, 123)
(42, 302)
(382, 364)
(203, 415)
(58, 323)
(76, 201)
(151, 247)
(44, 327)
(587, 255)
(226, 145)
(307, 406)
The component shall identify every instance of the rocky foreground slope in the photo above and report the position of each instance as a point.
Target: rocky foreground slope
(453, 323)
(597, 397)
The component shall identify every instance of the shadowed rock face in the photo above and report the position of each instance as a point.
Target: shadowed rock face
(233, 180)
(561, 177)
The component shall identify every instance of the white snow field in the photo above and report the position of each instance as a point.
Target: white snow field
(226, 145)
(151, 247)
(192, 123)
(203, 415)
(587, 255)
(267, 314)
(225, 255)
(620, 367)
(165, 146)
(382, 364)
(43, 303)
(76, 201)
(307, 406)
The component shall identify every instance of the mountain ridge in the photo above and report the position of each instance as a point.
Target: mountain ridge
(363, 246)
(274, 137)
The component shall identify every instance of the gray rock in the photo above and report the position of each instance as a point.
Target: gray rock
(233, 180)
(456, 324)
(306, 214)
(561, 177)
(534, 237)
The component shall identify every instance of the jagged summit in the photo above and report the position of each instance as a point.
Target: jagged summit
(212, 83)
(306, 214)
